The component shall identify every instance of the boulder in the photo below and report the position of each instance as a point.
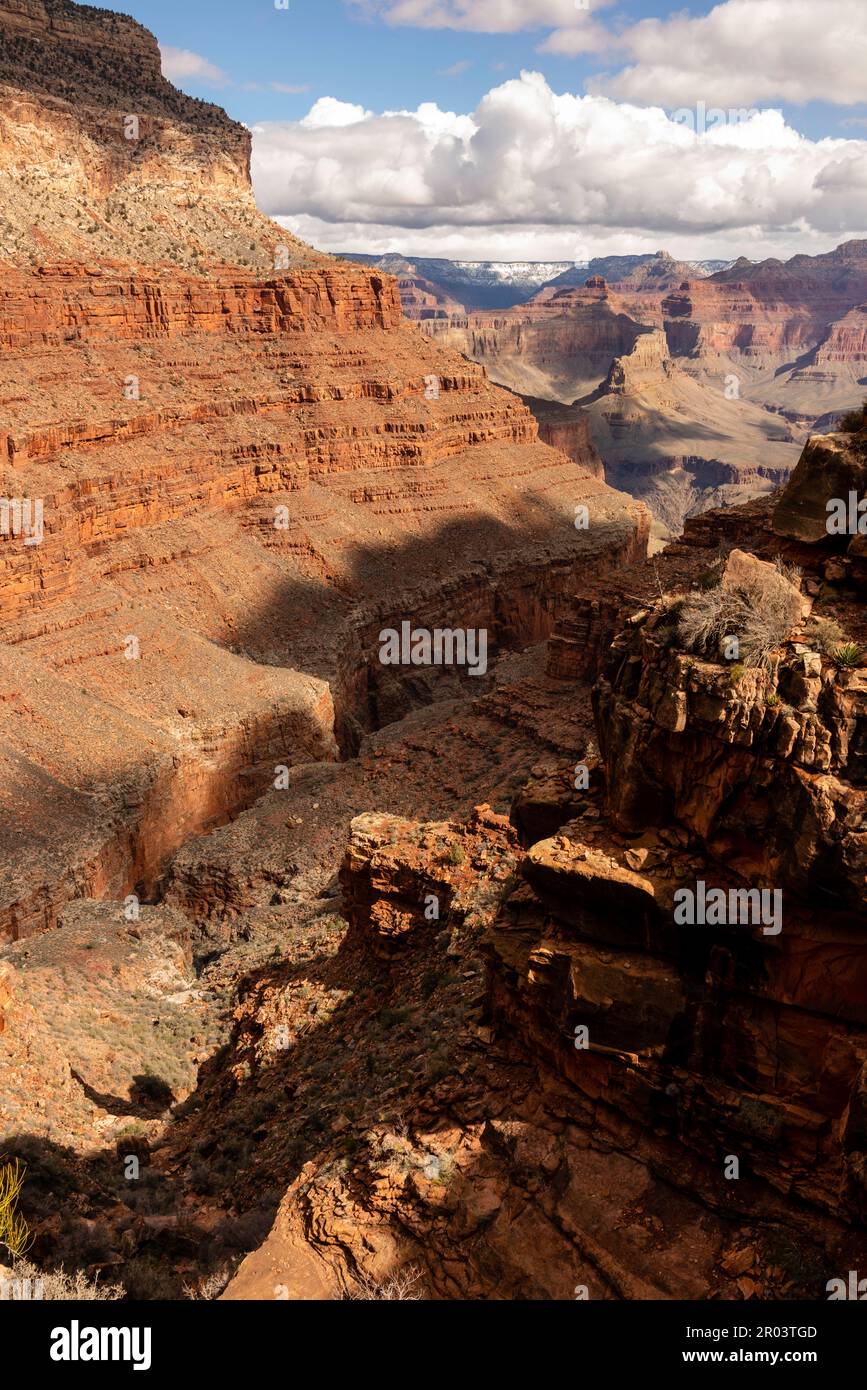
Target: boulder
(831, 466)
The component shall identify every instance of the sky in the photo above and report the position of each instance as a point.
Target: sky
(540, 129)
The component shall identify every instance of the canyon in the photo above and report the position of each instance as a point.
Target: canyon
(372, 969)
(700, 389)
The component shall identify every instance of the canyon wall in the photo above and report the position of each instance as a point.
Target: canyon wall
(220, 482)
(103, 159)
(700, 390)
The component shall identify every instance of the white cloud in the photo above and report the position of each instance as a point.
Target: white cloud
(746, 51)
(532, 242)
(569, 43)
(481, 16)
(529, 159)
(328, 114)
(180, 64)
(742, 51)
(463, 65)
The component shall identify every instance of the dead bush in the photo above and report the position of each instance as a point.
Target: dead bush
(760, 610)
(60, 1287)
(402, 1286)
(827, 635)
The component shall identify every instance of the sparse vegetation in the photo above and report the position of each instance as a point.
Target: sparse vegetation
(848, 655)
(211, 1286)
(403, 1286)
(761, 611)
(14, 1232)
(854, 420)
(59, 1287)
(827, 635)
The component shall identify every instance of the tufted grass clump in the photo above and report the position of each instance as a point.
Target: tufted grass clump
(849, 655)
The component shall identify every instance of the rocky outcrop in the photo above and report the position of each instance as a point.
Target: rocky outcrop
(491, 1184)
(761, 754)
(742, 1034)
(102, 158)
(567, 428)
(822, 503)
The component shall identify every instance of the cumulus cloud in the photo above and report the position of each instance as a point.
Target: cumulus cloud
(530, 158)
(180, 64)
(745, 51)
(741, 51)
(328, 113)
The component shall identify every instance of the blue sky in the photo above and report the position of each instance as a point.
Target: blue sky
(329, 49)
(803, 59)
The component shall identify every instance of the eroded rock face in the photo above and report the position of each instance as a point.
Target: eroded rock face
(767, 768)
(102, 158)
(567, 428)
(732, 1042)
(242, 475)
(559, 346)
(489, 1186)
(831, 468)
(693, 399)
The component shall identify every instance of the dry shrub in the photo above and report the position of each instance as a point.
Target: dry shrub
(827, 635)
(60, 1287)
(210, 1286)
(761, 610)
(402, 1286)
